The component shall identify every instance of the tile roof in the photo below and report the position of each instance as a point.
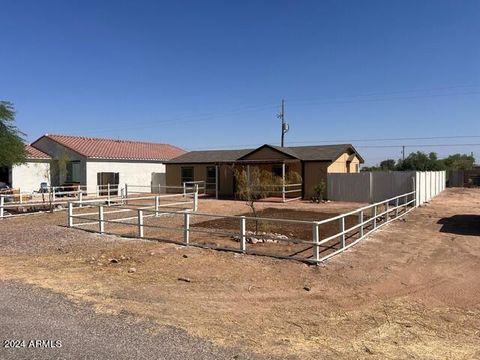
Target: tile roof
(97, 148)
(33, 153)
(304, 153)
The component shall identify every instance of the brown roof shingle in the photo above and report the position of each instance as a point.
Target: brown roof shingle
(304, 153)
(98, 148)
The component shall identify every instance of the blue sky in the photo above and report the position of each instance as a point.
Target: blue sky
(211, 74)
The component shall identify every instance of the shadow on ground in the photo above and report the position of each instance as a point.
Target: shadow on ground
(461, 225)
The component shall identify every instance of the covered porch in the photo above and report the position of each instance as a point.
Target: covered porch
(286, 181)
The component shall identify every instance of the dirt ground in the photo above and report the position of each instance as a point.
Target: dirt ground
(410, 290)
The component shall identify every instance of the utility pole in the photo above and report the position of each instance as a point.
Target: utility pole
(285, 126)
(403, 152)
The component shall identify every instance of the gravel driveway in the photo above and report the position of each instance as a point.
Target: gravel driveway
(28, 313)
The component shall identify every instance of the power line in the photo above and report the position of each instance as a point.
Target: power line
(386, 139)
(395, 92)
(357, 146)
(412, 146)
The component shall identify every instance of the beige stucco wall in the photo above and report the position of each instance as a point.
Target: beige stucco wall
(27, 177)
(225, 176)
(130, 172)
(341, 165)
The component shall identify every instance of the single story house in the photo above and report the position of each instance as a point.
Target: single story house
(28, 176)
(87, 161)
(312, 163)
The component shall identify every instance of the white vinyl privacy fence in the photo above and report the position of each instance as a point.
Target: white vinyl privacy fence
(371, 187)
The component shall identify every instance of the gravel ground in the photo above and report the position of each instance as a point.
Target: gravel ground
(409, 291)
(28, 313)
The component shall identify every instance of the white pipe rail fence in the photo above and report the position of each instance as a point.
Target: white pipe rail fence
(367, 220)
(18, 203)
(154, 209)
(190, 185)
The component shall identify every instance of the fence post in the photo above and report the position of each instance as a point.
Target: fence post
(53, 193)
(157, 204)
(140, 223)
(396, 207)
(186, 227)
(184, 189)
(195, 198)
(342, 230)
(126, 194)
(374, 216)
(101, 224)
(387, 208)
(2, 202)
(243, 239)
(360, 220)
(70, 214)
(97, 190)
(316, 247)
(21, 197)
(108, 194)
(80, 198)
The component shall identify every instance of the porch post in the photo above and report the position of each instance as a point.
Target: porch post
(283, 181)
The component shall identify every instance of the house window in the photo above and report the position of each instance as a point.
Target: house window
(187, 174)
(73, 172)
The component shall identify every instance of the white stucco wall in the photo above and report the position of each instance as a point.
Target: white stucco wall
(27, 177)
(130, 172)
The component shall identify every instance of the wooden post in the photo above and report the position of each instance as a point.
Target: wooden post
(157, 204)
(70, 214)
(243, 237)
(360, 221)
(101, 223)
(316, 247)
(140, 223)
(186, 227)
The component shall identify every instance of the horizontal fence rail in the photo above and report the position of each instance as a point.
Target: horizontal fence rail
(230, 232)
(49, 198)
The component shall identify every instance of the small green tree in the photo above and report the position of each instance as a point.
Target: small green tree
(320, 191)
(459, 162)
(387, 165)
(253, 186)
(12, 145)
(56, 170)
